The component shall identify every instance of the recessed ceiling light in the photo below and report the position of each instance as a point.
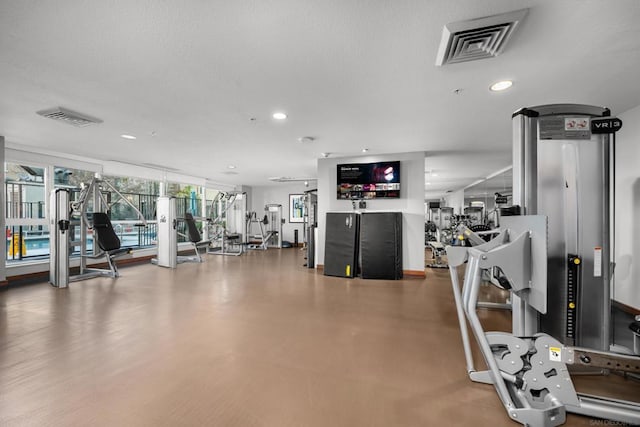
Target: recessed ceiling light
(231, 167)
(279, 116)
(306, 139)
(125, 136)
(434, 174)
(427, 183)
(364, 150)
(502, 85)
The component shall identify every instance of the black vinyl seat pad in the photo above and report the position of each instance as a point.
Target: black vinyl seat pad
(105, 235)
(194, 234)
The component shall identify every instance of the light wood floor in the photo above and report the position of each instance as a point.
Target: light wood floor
(256, 340)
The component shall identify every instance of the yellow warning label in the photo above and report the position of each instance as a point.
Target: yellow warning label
(555, 354)
(348, 270)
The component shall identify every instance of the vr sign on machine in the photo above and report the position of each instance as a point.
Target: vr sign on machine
(606, 125)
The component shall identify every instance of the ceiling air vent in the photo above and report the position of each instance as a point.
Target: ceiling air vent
(68, 116)
(477, 38)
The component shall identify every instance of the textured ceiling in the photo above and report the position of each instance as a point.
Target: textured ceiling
(187, 78)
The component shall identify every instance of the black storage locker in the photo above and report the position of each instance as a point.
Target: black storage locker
(341, 244)
(381, 245)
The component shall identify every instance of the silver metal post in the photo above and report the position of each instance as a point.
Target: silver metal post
(455, 283)
(470, 307)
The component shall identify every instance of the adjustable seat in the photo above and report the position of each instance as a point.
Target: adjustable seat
(108, 241)
(195, 238)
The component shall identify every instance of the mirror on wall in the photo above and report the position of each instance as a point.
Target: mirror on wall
(483, 194)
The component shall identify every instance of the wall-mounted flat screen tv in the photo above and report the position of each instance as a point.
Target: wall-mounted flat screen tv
(369, 180)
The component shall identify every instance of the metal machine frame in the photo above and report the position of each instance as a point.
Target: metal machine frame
(475, 214)
(167, 236)
(274, 226)
(442, 218)
(310, 226)
(66, 215)
(564, 172)
(270, 228)
(227, 224)
(529, 372)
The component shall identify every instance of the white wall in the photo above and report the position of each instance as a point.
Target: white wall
(249, 192)
(627, 210)
(279, 194)
(455, 200)
(410, 203)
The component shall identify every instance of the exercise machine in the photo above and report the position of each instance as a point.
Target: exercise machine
(256, 241)
(167, 235)
(438, 232)
(557, 260)
(531, 381)
(430, 232)
(474, 215)
(442, 217)
(529, 372)
(310, 226)
(273, 213)
(270, 227)
(71, 223)
(195, 239)
(431, 240)
(227, 224)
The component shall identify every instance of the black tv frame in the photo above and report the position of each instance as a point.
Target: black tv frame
(366, 181)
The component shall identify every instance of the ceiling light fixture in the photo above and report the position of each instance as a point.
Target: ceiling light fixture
(231, 167)
(279, 116)
(364, 150)
(427, 183)
(125, 136)
(501, 85)
(325, 155)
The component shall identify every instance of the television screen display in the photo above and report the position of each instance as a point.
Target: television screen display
(369, 180)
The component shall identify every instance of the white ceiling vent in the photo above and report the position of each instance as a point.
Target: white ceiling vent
(68, 116)
(477, 38)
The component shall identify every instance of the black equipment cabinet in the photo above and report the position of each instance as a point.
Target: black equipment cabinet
(381, 245)
(341, 244)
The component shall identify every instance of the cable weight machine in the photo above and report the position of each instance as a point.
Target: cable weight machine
(88, 214)
(558, 261)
